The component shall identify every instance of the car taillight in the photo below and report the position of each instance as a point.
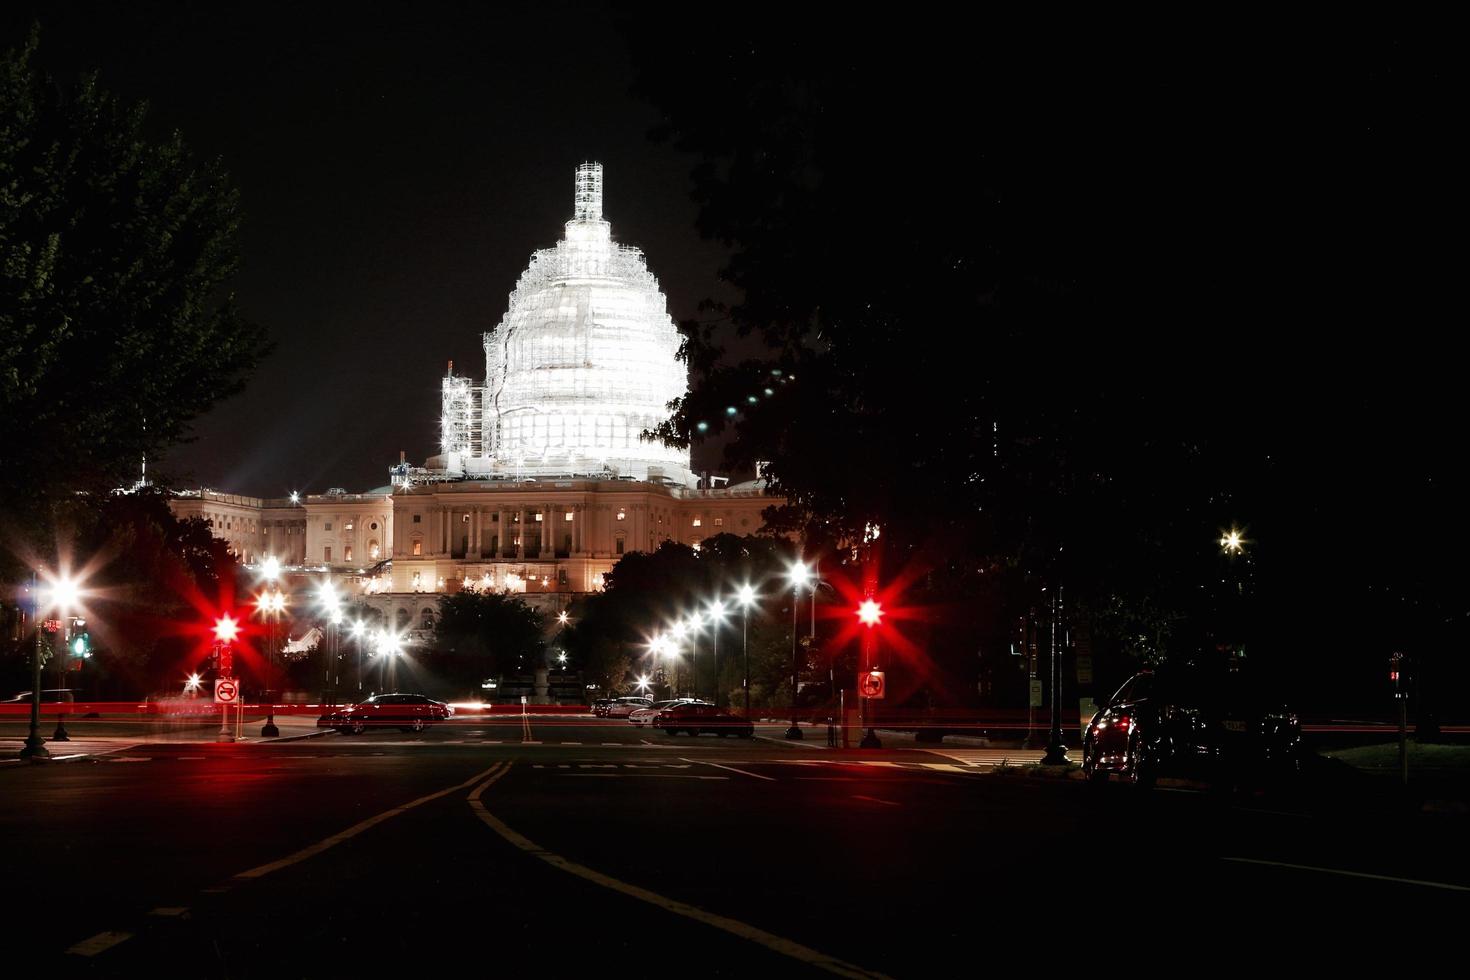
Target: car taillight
(1124, 722)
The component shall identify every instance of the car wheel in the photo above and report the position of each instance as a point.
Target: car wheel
(357, 728)
(671, 731)
(1144, 767)
(693, 731)
(749, 734)
(419, 725)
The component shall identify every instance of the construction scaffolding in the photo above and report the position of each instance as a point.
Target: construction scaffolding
(584, 360)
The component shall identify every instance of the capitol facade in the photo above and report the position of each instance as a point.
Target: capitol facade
(543, 478)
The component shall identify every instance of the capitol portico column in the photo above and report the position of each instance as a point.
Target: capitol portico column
(474, 548)
(520, 537)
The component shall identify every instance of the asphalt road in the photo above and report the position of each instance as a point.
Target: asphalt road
(587, 847)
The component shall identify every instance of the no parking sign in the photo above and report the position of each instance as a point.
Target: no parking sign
(226, 691)
(872, 686)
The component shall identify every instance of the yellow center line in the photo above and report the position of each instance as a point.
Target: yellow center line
(735, 927)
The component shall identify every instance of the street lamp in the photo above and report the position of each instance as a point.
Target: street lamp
(745, 595)
(715, 618)
(61, 593)
(357, 629)
(799, 574)
(696, 622)
(65, 594)
(1231, 542)
(330, 601)
(271, 604)
(677, 630)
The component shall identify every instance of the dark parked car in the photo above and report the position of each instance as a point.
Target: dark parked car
(1221, 725)
(409, 712)
(696, 718)
(600, 706)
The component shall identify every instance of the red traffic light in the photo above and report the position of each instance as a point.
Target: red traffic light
(226, 629)
(870, 612)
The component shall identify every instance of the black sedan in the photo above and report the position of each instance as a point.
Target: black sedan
(1222, 725)
(696, 718)
(407, 712)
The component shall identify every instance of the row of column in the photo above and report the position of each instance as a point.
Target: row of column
(554, 526)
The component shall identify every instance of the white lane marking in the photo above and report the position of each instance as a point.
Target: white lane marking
(357, 828)
(769, 779)
(169, 911)
(874, 799)
(195, 758)
(130, 758)
(1350, 874)
(99, 943)
(778, 944)
(571, 743)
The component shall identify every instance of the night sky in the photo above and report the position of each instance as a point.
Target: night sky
(397, 171)
(1257, 207)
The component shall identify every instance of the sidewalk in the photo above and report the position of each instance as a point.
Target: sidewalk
(90, 737)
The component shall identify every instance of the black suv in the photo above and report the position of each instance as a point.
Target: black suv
(1220, 724)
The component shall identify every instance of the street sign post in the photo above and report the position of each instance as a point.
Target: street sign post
(873, 685)
(226, 693)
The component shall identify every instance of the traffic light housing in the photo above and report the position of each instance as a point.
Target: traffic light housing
(81, 645)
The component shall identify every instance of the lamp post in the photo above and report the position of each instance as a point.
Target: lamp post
(1056, 749)
(356, 630)
(696, 621)
(332, 604)
(746, 596)
(35, 747)
(271, 604)
(64, 595)
(678, 630)
(715, 617)
(799, 574)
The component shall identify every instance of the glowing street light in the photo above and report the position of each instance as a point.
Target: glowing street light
(271, 604)
(332, 604)
(715, 616)
(192, 684)
(270, 569)
(870, 612)
(561, 617)
(746, 597)
(1231, 542)
(60, 594)
(799, 574)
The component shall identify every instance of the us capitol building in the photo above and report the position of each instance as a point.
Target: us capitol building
(542, 480)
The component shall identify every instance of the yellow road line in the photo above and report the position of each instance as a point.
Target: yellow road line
(735, 927)
(357, 828)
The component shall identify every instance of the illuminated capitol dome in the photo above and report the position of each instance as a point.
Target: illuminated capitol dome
(583, 362)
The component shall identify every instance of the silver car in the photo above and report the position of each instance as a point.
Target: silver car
(623, 707)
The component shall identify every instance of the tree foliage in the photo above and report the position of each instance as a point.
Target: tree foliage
(484, 634)
(116, 249)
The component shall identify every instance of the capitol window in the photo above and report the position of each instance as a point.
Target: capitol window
(347, 526)
(698, 522)
(418, 548)
(373, 526)
(418, 518)
(568, 516)
(622, 516)
(719, 522)
(347, 553)
(539, 517)
(328, 526)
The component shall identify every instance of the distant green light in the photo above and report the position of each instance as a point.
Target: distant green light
(751, 399)
(730, 410)
(703, 427)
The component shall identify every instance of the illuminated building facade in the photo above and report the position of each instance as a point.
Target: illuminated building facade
(543, 480)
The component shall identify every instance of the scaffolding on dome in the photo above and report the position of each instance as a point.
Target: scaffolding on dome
(584, 361)
(459, 418)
